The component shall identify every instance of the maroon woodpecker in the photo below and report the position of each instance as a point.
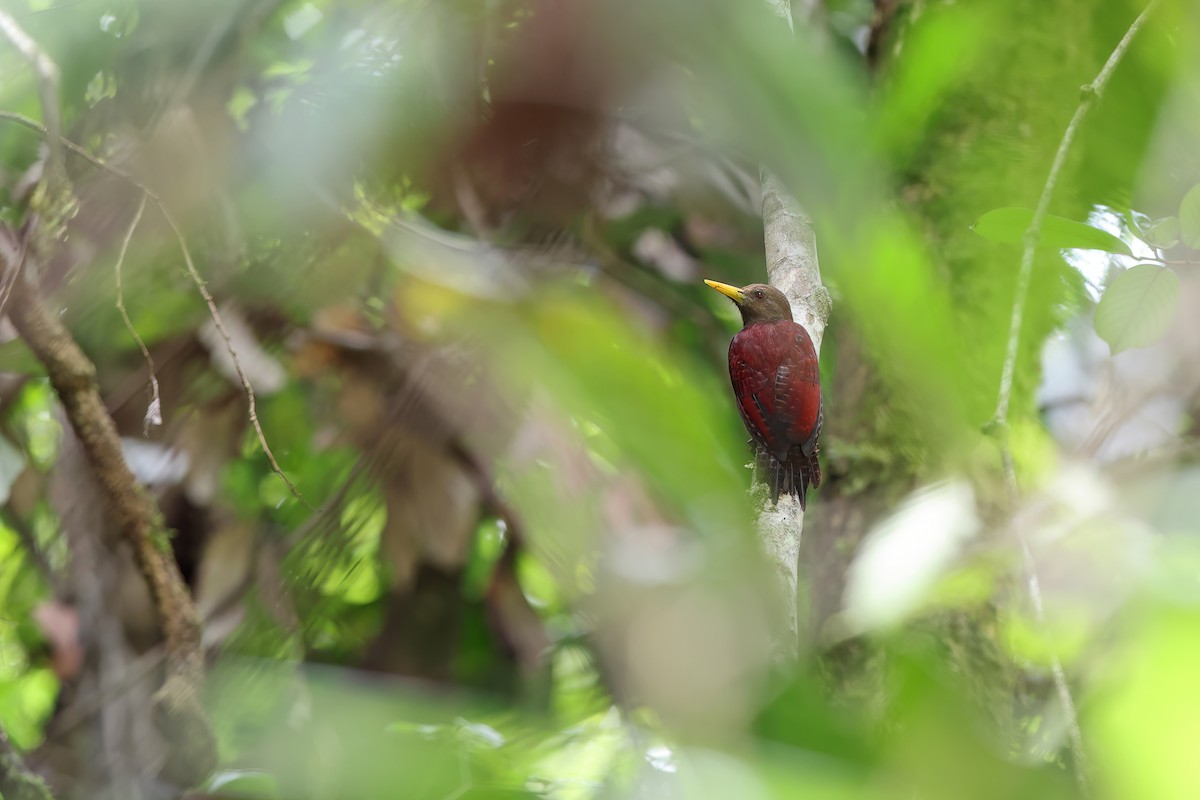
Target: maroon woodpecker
(777, 384)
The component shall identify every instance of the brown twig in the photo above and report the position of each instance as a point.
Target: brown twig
(154, 410)
(177, 705)
(193, 273)
(73, 376)
(202, 287)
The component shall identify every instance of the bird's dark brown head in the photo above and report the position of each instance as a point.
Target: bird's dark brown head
(758, 302)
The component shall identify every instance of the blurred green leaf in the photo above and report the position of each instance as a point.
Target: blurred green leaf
(1137, 307)
(1146, 724)
(1189, 218)
(1163, 232)
(936, 54)
(800, 717)
(650, 402)
(26, 699)
(1042, 642)
(16, 357)
(1008, 226)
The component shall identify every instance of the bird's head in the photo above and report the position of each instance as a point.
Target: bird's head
(758, 302)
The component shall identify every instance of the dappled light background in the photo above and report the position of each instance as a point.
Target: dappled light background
(458, 251)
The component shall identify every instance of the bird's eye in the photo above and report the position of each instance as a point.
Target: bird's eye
(759, 294)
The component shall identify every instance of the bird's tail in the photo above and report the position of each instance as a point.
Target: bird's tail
(793, 475)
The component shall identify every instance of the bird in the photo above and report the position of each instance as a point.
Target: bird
(776, 381)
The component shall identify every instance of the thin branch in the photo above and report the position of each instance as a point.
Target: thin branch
(247, 388)
(178, 709)
(79, 150)
(47, 72)
(202, 286)
(154, 411)
(47, 80)
(1061, 686)
(1092, 93)
(73, 376)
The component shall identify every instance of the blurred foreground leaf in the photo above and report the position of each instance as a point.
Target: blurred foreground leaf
(1189, 218)
(1137, 307)
(1164, 232)
(904, 556)
(1146, 730)
(15, 356)
(1008, 226)
(675, 426)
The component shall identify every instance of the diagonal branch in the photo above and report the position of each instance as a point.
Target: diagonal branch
(177, 704)
(202, 287)
(1092, 93)
(73, 377)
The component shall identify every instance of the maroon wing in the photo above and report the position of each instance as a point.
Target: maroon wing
(777, 383)
(798, 390)
(752, 371)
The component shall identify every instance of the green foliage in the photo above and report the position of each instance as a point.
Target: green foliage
(1137, 307)
(1151, 689)
(1163, 233)
(1009, 226)
(27, 686)
(1189, 218)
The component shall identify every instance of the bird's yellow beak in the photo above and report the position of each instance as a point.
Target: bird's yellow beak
(732, 292)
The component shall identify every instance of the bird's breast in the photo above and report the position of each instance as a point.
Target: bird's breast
(776, 380)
